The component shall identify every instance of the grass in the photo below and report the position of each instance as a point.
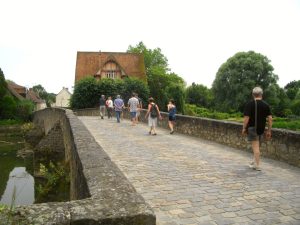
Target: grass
(287, 123)
(278, 122)
(10, 122)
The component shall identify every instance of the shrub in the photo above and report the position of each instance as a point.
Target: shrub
(295, 107)
(24, 110)
(86, 94)
(8, 107)
(88, 91)
(193, 110)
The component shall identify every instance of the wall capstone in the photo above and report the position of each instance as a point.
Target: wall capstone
(284, 145)
(100, 192)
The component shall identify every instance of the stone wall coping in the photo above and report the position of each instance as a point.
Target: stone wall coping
(109, 199)
(203, 119)
(284, 145)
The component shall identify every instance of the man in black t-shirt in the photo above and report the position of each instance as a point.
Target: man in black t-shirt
(255, 114)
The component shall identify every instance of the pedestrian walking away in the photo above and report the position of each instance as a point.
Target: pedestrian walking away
(110, 107)
(133, 105)
(138, 113)
(172, 115)
(152, 114)
(102, 103)
(255, 114)
(119, 104)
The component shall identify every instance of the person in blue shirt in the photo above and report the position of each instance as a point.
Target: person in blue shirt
(172, 115)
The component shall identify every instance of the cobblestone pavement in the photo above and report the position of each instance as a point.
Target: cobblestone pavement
(192, 181)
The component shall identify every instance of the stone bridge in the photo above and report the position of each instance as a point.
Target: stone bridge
(122, 175)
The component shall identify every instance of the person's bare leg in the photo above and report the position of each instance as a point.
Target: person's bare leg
(256, 152)
(171, 125)
(150, 132)
(154, 131)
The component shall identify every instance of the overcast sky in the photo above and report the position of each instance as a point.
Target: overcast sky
(39, 38)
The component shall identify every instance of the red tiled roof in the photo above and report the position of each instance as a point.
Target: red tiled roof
(89, 63)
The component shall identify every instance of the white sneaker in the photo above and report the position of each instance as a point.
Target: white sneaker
(251, 165)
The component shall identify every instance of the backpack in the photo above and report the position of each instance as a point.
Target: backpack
(153, 111)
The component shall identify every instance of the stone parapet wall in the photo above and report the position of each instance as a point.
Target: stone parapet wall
(284, 145)
(100, 193)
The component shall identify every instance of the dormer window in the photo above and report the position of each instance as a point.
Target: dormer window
(111, 70)
(111, 74)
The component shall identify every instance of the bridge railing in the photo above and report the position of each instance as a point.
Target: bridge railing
(284, 145)
(100, 193)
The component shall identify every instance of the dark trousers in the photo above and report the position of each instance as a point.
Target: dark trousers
(109, 112)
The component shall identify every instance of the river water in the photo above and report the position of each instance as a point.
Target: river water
(16, 181)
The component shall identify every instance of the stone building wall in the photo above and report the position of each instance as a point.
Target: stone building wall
(284, 145)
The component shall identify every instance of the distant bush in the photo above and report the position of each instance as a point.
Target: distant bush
(10, 122)
(290, 123)
(8, 107)
(295, 107)
(24, 110)
(87, 91)
(193, 110)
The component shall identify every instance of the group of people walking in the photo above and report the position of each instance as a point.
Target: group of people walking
(135, 105)
(256, 113)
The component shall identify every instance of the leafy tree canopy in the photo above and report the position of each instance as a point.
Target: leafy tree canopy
(292, 88)
(43, 94)
(88, 91)
(152, 58)
(3, 84)
(161, 81)
(199, 95)
(237, 77)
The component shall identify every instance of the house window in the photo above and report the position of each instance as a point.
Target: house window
(111, 70)
(111, 74)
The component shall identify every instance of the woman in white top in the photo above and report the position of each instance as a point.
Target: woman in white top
(110, 107)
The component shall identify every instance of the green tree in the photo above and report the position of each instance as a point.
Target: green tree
(43, 94)
(160, 80)
(295, 107)
(177, 92)
(88, 90)
(109, 87)
(158, 83)
(8, 104)
(86, 94)
(199, 95)
(238, 76)
(3, 85)
(8, 107)
(24, 109)
(278, 100)
(152, 58)
(133, 85)
(292, 88)
(40, 90)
